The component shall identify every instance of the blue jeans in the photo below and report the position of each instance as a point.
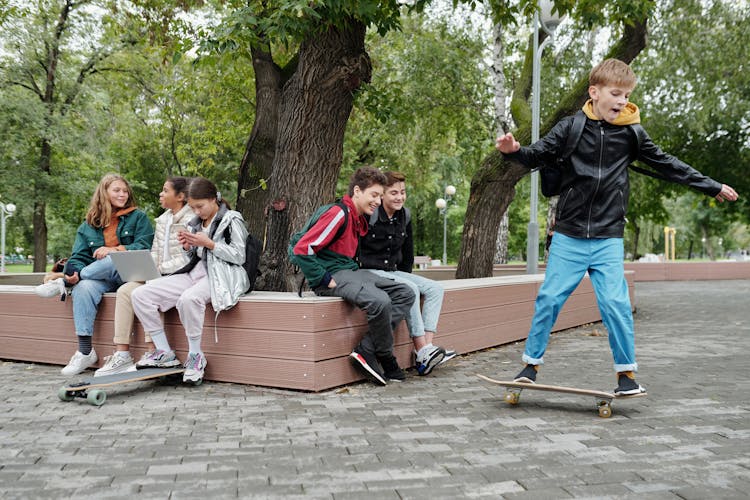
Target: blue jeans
(425, 318)
(569, 260)
(97, 278)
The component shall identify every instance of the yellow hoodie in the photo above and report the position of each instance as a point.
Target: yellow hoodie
(629, 115)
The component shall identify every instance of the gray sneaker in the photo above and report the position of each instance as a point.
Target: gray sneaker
(158, 359)
(119, 362)
(194, 368)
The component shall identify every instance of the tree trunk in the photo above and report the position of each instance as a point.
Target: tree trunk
(315, 106)
(502, 126)
(39, 218)
(257, 162)
(493, 186)
(636, 239)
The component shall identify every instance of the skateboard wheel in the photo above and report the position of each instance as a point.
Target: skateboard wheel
(64, 395)
(198, 382)
(511, 398)
(96, 397)
(605, 411)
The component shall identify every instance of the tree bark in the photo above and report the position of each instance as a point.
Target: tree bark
(315, 106)
(257, 162)
(493, 186)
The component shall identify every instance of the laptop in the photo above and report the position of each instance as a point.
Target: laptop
(135, 265)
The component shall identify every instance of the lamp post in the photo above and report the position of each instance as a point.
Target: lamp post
(442, 204)
(548, 22)
(6, 210)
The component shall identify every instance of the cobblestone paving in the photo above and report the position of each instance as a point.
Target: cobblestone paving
(448, 435)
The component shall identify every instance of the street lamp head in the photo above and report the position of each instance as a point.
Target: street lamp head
(10, 208)
(441, 203)
(450, 190)
(550, 20)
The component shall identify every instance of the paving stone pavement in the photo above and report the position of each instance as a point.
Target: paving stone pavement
(448, 435)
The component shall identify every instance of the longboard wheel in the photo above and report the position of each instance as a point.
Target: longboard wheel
(96, 397)
(605, 411)
(512, 398)
(64, 395)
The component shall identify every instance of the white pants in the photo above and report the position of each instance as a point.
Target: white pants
(189, 293)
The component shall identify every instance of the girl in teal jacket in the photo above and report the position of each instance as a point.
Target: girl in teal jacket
(113, 224)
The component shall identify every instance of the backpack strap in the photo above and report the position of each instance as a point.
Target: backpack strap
(339, 234)
(574, 135)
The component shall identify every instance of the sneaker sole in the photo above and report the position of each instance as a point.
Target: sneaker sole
(167, 364)
(125, 369)
(360, 361)
(432, 363)
(448, 357)
(524, 380)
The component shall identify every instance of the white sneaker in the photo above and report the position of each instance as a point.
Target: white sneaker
(119, 362)
(79, 362)
(53, 288)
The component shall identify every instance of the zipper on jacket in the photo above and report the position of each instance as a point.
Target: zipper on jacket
(598, 179)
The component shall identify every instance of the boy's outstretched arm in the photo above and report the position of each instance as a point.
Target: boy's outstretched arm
(727, 193)
(507, 144)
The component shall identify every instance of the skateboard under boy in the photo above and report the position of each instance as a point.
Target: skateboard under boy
(513, 393)
(93, 389)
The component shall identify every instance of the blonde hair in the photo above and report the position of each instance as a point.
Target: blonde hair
(612, 72)
(100, 208)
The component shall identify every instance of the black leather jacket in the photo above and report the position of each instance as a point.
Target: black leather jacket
(594, 196)
(388, 244)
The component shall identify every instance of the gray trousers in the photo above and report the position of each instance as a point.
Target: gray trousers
(385, 302)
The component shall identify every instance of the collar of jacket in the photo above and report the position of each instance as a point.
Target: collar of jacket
(629, 115)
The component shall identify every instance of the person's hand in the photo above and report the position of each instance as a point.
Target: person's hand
(72, 279)
(196, 240)
(332, 283)
(726, 194)
(102, 252)
(507, 144)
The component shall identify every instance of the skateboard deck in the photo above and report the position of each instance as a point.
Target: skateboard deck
(513, 393)
(92, 389)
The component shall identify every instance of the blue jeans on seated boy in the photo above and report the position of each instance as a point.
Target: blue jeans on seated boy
(569, 260)
(96, 279)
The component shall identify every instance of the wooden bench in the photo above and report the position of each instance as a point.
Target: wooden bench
(422, 261)
(281, 340)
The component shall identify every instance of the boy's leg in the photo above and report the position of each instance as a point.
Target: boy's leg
(433, 293)
(359, 288)
(566, 266)
(611, 288)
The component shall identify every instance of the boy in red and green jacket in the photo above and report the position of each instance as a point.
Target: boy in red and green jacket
(327, 260)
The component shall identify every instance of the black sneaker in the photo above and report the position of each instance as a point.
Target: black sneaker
(368, 363)
(527, 375)
(626, 386)
(391, 368)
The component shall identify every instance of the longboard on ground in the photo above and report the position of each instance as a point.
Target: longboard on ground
(93, 389)
(513, 393)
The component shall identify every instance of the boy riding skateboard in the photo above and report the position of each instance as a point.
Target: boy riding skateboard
(590, 219)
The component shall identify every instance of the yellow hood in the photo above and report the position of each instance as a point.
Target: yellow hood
(628, 116)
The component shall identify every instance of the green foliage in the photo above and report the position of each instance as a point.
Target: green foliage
(696, 103)
(425, 114)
